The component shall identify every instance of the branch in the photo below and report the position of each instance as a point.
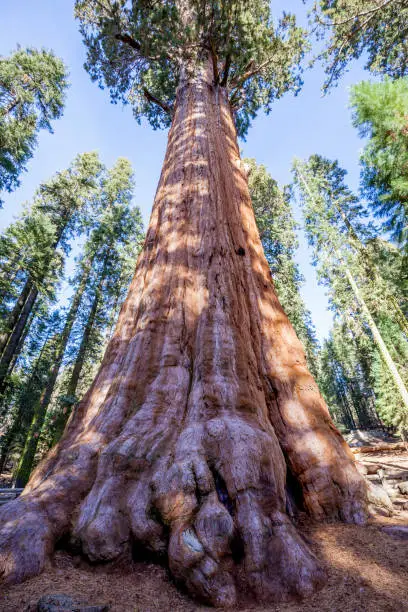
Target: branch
(150, 98)
(128, 40)
(225, 70)
(12, 105)
(251, 71)
(237, 100)
(349, 37)
(214, 60)
(356, 16)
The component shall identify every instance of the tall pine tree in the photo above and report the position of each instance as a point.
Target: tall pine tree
(335, 230)
(62, 207)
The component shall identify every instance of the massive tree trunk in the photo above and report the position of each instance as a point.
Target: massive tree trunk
(203, 427)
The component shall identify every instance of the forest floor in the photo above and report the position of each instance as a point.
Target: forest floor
(367, 570)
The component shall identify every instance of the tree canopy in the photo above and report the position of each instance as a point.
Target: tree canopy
(376, 29)
(140, 49)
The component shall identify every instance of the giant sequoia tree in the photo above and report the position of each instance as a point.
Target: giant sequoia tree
(203, 430)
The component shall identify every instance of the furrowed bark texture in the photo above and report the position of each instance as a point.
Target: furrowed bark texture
(203, 414)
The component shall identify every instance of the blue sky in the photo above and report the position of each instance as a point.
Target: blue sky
(298, 126)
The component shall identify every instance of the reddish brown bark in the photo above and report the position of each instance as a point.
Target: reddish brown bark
(202, 404)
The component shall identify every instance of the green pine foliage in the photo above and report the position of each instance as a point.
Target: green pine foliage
(381, 114)
(32, 94)
(35, 245)
(25, 248)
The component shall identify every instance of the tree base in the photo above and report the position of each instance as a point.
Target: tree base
(213, 501)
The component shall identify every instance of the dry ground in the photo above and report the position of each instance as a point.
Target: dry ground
(367, 571)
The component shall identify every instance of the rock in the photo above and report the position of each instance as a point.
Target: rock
(362, 468)
(374, 478)
(391, 491)
(403, 488)
(378, 496)
(398, 531)
(372, 468)
(65, 603)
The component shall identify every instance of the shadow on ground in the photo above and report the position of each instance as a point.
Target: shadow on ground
(367, 570)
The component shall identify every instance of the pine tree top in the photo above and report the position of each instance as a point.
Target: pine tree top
(32, 94)
(381, 114)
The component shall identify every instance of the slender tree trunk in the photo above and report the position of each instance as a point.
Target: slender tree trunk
(30, 448)
(379, 341)
(66, 407)
(203, 402)
(15, 314)
(19, 316)
(24, 413)
(371, 269)
(14, 339)
(22, 340)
